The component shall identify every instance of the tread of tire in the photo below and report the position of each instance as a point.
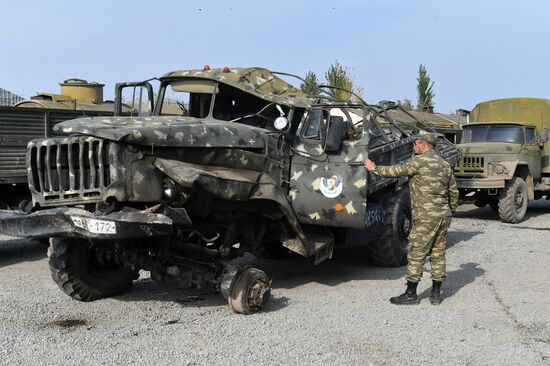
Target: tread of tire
(506, 210)
(58, 263)
(380, 252)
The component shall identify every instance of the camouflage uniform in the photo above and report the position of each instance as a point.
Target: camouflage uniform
(434, 197)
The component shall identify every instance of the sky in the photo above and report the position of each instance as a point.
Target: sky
(472, 50)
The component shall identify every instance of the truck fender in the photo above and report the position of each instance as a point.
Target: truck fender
(510, 167)
(522, 170)
(238, 185)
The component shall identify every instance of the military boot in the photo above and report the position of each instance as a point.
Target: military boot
(408, 297)
(435, 296)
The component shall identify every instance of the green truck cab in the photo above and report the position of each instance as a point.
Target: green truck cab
(505, 158)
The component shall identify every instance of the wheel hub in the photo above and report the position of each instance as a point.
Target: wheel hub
(519, 200)
(257, 294)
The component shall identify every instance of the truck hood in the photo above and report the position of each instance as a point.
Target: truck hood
(489, 148)
(167, 131)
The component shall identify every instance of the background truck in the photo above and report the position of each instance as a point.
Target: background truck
(35, 118)
(505, 158)
(244, 163)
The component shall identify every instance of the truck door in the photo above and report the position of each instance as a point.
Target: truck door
(532, 153)
(328, 184)
(134, 98)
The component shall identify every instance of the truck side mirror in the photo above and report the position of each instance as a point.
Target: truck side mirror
(543, 137)
(335, 133)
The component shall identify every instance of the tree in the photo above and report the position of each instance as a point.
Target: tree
(338, 76)
(311, 85)
(406, 104)
(425, 89)
(359, 94)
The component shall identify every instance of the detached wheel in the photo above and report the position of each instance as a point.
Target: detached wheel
(78, 272)
(391, 248)
(250, 291)
(513, 199)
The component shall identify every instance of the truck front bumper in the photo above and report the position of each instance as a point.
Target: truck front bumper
(74, 222)
(480, 183)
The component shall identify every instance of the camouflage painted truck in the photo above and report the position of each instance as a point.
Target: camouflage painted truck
(505, 161)
(245, 163)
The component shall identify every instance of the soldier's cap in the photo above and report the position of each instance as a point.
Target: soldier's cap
(427, 136)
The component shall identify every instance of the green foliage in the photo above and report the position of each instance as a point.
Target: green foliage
(424, 89)
(338, 76)
(406, 104)
(359, 94)
(311, 86)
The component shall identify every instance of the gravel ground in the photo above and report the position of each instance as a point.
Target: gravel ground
(496, 310)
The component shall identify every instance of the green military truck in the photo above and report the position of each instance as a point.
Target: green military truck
(505, 158)
(230, 161)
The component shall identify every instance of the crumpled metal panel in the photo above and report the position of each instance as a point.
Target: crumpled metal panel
(230, 184)
(167, 131)
(237, 185)
(254, 80)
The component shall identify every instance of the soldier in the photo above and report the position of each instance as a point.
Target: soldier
(434, 198)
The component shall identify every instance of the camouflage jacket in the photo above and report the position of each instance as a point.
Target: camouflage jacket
(434, 193)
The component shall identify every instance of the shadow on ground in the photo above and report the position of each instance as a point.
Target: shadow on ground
(456, 280)
(293, 271)
(534, 210)
(21, 250)
(289, 272)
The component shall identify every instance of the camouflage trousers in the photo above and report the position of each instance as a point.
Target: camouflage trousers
(427, 238)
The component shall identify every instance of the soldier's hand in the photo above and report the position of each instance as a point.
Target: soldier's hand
(369, 164)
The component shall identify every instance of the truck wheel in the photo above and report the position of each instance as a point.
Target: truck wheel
(83, 277)
(391, 248)
(513, 200)
(250, 291)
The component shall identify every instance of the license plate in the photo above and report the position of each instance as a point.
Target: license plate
(94, 226)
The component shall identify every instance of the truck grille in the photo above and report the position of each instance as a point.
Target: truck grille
(74, 168)
(470, 164)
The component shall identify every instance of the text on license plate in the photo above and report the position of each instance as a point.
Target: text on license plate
(94, 226)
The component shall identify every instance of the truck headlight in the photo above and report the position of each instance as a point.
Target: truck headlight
(499, 169)
(169, 190)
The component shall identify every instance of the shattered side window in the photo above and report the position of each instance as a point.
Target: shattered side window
(232, 104)
(530, 135)
(313, 124)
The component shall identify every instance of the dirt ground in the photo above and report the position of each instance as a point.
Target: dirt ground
(496, 310)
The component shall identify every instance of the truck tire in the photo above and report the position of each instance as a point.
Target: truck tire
(391, 248)
(81, 277)
(513, 199)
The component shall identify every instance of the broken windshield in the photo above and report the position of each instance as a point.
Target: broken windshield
(187, 98)
(489, 133)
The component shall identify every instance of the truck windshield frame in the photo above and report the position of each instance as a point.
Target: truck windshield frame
(493, 133)
(177, 99)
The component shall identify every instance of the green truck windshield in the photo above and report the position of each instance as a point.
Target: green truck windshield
(493, 134)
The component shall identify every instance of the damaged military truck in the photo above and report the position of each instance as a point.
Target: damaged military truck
(230, 161)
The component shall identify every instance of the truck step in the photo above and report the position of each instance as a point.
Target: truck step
(323, 245)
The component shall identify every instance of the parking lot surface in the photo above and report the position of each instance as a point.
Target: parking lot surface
(496, 310)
